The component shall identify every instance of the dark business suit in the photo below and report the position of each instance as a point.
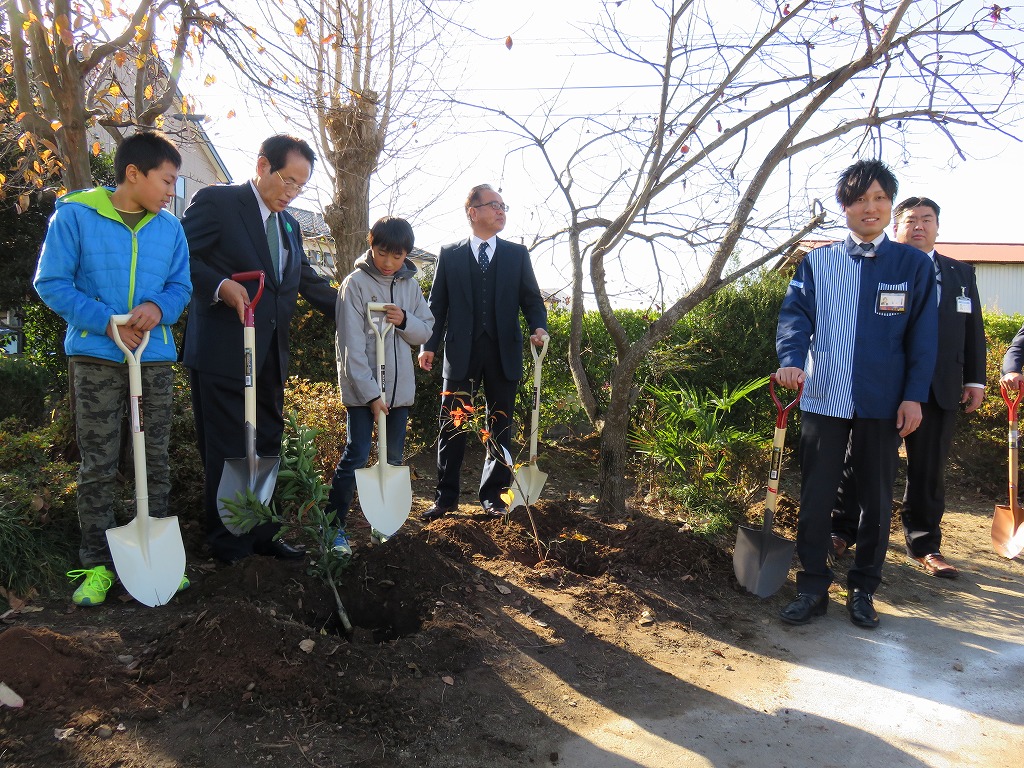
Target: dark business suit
(226, 235)
(482, 344)
(960, 360)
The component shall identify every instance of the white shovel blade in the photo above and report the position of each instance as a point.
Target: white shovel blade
(385, 496)
(149, 557)
(529, 483)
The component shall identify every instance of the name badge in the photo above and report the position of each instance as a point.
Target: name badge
(892, 301)
(963, 304)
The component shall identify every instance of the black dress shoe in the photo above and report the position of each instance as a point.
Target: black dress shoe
(282, 550)
(861, 606)
(804, 608)
(494, 510)
(436, 512)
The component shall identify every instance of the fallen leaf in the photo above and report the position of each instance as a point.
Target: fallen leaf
(718, 652)
(448, 680)
(503, 589)
(9, 698)
(307, 645)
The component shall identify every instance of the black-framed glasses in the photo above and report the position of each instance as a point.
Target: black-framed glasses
(493, 205)
(290, 186)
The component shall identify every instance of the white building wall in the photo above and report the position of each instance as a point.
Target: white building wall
(1001, 287)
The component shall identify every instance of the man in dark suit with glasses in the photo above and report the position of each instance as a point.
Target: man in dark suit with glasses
(481, 284)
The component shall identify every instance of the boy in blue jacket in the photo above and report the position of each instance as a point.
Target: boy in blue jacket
(118, 252)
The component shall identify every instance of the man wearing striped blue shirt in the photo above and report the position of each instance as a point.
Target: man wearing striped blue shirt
(858, 328)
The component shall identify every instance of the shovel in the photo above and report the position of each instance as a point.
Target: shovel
(148, 553)
(529, 479)
(1008, 522)
(254, 473)
(385, 491)
(761, 559)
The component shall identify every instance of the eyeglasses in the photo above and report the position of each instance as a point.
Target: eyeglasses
(494, 205)
(290, 186)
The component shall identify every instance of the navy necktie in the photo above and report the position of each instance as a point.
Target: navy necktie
(860, 250)
(484, 261)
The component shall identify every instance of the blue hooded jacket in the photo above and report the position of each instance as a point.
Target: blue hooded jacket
(93, 266)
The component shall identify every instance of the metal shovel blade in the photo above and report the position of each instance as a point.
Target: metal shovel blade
(148, 552)
(253, 472)
(761, 560)
(1008, 531)
(529, 482)
(385, 496)
(150, 558)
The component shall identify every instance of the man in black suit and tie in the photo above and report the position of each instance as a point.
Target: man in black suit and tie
(233, 229)
(480, 286)
(959, 380)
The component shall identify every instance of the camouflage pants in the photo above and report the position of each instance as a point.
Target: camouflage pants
(101, 400)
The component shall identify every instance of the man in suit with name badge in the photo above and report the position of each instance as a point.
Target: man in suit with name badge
(858, 328)
(480, 286)
(244, 228)
(959, 380)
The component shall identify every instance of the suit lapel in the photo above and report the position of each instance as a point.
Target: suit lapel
(254, 225)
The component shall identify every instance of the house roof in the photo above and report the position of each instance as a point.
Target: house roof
(971, 253)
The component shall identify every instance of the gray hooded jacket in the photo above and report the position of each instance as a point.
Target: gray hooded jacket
(356, 342)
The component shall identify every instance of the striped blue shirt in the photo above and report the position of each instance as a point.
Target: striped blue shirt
(864, 330)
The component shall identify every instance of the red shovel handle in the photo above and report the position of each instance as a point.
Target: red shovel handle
(780, 421)
(250, 308)
(1012, 404)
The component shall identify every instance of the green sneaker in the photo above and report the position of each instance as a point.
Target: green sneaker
(185, 583)
(93, 590)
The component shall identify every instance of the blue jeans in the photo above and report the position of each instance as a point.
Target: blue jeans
(359, 434)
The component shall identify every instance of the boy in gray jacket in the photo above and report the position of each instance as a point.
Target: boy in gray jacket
(382, 274)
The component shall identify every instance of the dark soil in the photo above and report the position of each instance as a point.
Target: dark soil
(474, 639)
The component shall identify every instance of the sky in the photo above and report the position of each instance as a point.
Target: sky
(550, 50)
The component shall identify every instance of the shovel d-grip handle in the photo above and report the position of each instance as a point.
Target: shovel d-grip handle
(1012, 404)
(250, 307)
(780, 421)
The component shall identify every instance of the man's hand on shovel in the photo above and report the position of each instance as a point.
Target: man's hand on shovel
(790, 378)
(235, 296)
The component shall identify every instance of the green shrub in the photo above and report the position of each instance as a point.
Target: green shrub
(317, 405)
(692, 437)
(312, 356)
(38, 519)
(25, 386)
(44, 343)
(980, 443)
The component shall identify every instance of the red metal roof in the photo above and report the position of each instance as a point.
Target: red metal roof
(972, 253)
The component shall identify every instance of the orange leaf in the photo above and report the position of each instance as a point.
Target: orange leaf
(231, 114)
(300, 27)
(327, 39)
(120, 58)
(508, 42)
(96, 149)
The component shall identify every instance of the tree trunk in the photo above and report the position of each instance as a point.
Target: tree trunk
(576, 313)
(357, 142)
(614, 443)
